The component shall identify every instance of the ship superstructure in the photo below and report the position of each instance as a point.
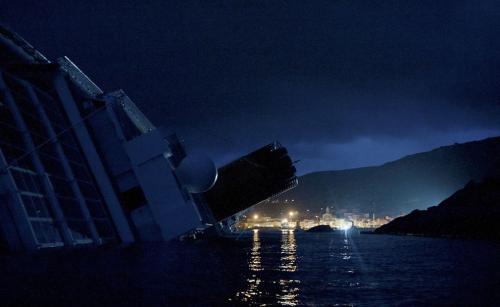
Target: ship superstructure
(82, 166)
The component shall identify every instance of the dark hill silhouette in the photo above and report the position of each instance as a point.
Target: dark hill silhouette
(472, 212)
(413, 182)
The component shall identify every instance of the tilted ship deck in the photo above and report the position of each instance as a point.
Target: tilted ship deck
(84, 166)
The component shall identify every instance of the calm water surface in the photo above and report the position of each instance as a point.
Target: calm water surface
(262, 268)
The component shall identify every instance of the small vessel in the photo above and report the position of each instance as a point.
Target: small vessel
(320, 228)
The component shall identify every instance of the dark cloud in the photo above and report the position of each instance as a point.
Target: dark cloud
(331, 80)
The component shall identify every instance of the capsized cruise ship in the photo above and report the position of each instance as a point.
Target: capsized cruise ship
(80, 166)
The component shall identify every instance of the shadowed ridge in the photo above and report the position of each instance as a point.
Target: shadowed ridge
(471, 212)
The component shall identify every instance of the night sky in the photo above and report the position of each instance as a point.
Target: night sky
(340, 83)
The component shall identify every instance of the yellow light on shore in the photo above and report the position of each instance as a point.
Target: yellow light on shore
(290, 213)
(255, 216)
(284, 221)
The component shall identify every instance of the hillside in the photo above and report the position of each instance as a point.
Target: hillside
(472, 212)
(413, 182)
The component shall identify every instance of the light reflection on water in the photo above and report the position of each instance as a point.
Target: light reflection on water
(345, 253)
(288, 251)
(254, 265)
(288, 286)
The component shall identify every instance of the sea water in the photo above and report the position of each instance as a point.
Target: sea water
(277, 267)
